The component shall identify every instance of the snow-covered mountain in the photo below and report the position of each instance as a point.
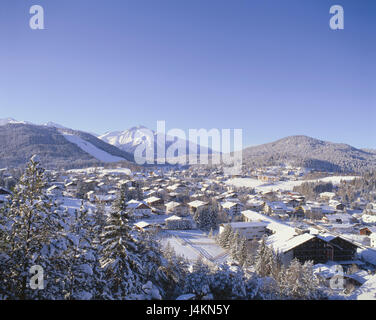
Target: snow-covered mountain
(130, 139)
(56, 147)
(311, 153)
(6, 121)
(54, 125)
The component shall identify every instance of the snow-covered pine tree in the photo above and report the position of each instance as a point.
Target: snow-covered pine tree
(310, 283)
(81, 257)
(206, 217)
(198, 280)
(224, 237)
(121, 263)
(227, 284)
(234, 243)
(32, 225)
(243, 255)
(292, 281)
(262, 259)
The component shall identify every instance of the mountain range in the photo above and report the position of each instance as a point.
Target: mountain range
(130, 139)
(59, 146)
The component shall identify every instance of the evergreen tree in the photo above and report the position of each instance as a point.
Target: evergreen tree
(198, 280)
(32, 224)
(224, 237)
(121, 263)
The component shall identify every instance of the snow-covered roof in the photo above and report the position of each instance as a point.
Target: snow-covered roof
(152, 199)
(228, 204)
(142, 224)
(172, 204)
(173, 218)
(295, 241)
(197, 203)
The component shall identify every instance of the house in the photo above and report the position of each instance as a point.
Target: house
(318, 248)
(327, 195)
(367, 231)
(108, 199)
(277, 207)
(176, 208)
(233, 209)
(249, 230)
(196, 204)
(178, 188)
(71, 187)
(139, 209)
(339, 218)
(311, 211)
(256, 205)
(155, 202)
(143, 226)
(55, 191)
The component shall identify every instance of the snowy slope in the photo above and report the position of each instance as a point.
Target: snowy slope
(281, 185)
(91, 149)
(129, 140)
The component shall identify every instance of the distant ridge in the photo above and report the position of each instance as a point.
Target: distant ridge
(57, 148)
(312, 153)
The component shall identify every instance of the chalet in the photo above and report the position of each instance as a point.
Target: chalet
(277, 207)
(71, 187)
(143, 226)
(55, 191)
(340, 218)
(178, 188)
(139, 209)
(318, 248)
(327, 195)
(196, 204)
(177, 208)
(336, 205)
(367, 231)
(107, 199)
(155, 202)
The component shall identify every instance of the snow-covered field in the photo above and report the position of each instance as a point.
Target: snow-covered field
(281, 185)
(193, 244)
(91, 149)
(101, 170)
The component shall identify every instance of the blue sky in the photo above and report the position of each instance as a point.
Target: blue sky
(272, 68)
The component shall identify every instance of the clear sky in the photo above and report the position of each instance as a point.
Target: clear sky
(272, 68)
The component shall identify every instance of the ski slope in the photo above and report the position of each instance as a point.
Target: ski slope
(91, 149)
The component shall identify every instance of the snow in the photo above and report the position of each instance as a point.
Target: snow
(102, 171)
(281, 185)
(91, 149)
(367, 291)
(193, 244)
(367, 218)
